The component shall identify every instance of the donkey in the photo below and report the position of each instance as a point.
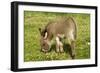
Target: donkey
(62, 28)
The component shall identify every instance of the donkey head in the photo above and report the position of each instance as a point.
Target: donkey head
(44, 42)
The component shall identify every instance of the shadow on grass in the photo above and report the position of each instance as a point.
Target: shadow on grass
(66, 47)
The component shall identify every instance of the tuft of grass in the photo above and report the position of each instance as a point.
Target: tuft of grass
(33, 20)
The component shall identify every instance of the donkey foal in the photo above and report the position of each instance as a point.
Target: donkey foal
(63, 28)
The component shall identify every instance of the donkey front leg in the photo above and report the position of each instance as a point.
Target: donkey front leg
(59, 45)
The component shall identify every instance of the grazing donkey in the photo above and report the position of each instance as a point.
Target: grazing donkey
(63, 28)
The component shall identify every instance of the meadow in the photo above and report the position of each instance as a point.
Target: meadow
(34, 20)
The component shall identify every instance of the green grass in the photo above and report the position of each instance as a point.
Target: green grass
(34, 20)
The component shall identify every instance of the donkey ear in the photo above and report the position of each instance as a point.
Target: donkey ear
(45, 36)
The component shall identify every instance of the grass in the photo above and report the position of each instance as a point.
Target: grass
(34, 20)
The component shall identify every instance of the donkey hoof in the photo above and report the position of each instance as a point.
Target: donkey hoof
(73, 57)
(57, 51)
(61, 51)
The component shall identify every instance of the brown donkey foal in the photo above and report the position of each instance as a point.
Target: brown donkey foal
(62, 28)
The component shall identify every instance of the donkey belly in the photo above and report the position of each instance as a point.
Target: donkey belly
(60, 35)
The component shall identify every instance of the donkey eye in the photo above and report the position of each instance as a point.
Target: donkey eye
(43, 44)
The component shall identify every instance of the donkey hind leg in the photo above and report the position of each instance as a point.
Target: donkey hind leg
(72, 44)
(59, 45)
(72, 49)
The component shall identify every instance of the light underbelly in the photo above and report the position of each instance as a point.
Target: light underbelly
(60, 35)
